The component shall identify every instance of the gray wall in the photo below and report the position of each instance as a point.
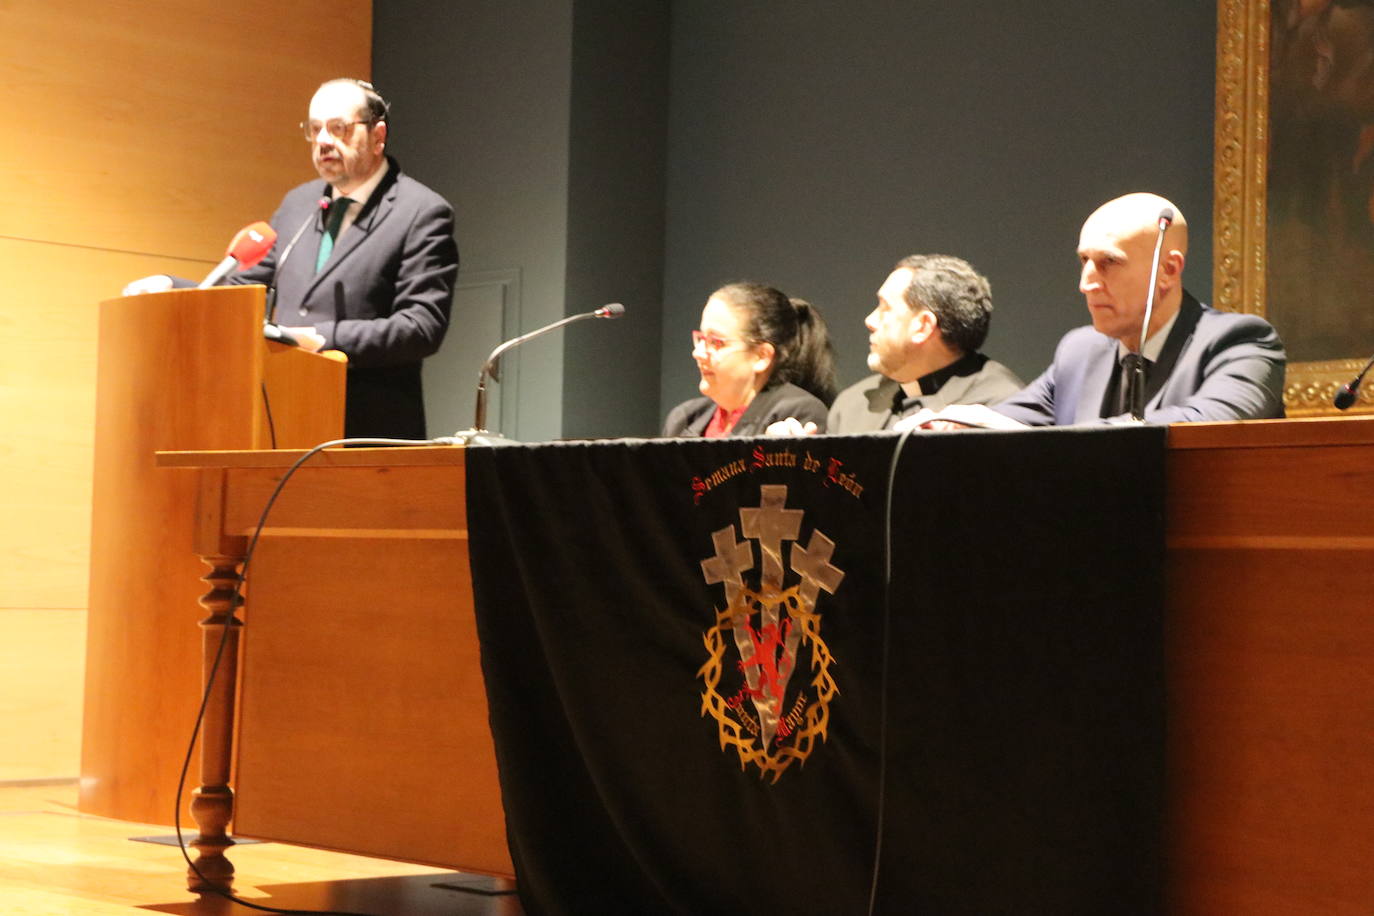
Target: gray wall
(618, 159)
(480, 98)
(812, 145)
(808, 145)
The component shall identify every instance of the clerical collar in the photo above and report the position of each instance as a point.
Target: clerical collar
(932, 382)
(1153, 345)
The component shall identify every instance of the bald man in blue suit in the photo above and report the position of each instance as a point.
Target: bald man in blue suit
(1203, 364)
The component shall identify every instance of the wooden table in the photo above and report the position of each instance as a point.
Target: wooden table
(362, 722)
(1270, 649)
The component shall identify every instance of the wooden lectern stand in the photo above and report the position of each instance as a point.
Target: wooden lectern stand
(362, 715)
(185, 369)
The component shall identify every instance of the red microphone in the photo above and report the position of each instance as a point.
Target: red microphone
(247, 248)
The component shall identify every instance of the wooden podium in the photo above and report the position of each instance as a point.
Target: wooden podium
(185, 369)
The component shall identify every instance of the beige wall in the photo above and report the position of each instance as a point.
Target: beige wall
(137, 138)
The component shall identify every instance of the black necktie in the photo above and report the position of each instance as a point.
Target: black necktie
(1130, 387)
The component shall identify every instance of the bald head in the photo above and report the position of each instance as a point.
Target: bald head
(1116, 249)
(1139, 213)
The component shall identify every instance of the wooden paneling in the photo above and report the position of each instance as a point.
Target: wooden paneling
(40, 692)
(142, 136)
(362, 720)
(162, 126)
(1272, 732)
(363, 713)
(1270, 646)
(47, 404)
(154, 128)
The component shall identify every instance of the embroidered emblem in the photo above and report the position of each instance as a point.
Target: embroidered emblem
(771, 719)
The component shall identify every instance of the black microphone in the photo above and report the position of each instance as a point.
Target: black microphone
(1351, 389)
(479, 431)
(271, 317)
(1134, 363)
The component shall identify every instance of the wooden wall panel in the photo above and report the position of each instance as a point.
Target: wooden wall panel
(162, 126)
(142, 136)
(155, 128)
(40, 693)
(47, 403)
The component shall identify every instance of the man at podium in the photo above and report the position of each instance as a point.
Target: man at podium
(364, 263)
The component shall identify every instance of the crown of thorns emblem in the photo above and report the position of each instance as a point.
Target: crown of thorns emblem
(769, 721)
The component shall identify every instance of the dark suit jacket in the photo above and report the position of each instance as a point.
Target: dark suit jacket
(866, 406)
(779, 402)
(383, 297)
(1214, 366)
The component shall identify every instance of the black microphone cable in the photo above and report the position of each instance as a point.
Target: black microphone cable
(885, 653)
(271, 299)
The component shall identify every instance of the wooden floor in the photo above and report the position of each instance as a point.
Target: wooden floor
(55, 861)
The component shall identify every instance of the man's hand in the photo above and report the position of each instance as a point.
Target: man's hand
(791, 427)
(157, 283)
(308, 338)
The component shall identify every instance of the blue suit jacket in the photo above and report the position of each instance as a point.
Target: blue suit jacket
(383, 297)
(1214, 366)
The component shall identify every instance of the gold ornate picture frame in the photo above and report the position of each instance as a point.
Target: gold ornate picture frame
(1240, 201)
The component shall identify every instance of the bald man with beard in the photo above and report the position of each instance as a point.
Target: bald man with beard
(1202, 364)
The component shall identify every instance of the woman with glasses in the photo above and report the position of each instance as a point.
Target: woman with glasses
(762, 357)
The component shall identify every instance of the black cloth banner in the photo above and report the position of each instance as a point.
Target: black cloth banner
(703, 695)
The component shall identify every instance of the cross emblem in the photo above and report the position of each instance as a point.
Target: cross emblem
(813, 565)
(732, 558)
(770, 524)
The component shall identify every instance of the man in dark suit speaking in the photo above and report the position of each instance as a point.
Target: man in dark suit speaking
(364, 263)
(1202, 364)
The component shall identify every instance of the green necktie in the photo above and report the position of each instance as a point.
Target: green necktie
(337, 209)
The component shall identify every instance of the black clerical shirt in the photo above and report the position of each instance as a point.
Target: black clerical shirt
(931, 382)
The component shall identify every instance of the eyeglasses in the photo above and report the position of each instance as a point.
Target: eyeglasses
(337, 127)
(712, 343)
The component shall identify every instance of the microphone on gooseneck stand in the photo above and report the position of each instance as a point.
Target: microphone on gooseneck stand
(479, 434)
(270, 329)
(247, 248)
(1348, 392)
(1134, 363)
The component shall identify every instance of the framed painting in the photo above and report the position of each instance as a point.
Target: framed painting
(1293, 208)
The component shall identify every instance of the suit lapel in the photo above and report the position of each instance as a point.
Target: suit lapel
(1098, 374)
(1188, 314)
(296, 276)
(377, 208)
(750, 422)
(699, 423)
(877, 407)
